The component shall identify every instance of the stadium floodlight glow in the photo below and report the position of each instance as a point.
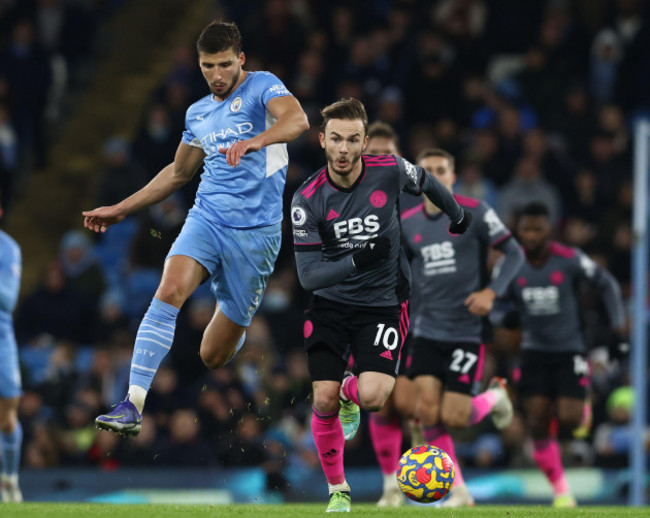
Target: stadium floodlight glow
(639, 357)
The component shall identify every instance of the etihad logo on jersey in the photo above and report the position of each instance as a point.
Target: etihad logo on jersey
(227, 133)
(360, 229)
(439, 258)
(541, 300)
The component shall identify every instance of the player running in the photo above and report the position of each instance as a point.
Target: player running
(544, 293)
(11, 432)
(385, 426)
(347, 246)
(232, 233)
(452, 294)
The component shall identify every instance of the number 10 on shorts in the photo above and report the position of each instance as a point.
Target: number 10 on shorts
(387, 336)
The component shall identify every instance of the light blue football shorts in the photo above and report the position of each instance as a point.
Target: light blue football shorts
(239, 261)
(10, 382)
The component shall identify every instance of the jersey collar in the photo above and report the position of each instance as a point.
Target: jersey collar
(354, 185)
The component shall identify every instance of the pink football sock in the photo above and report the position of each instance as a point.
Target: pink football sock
(481, 406)
(350, 389)
(438, 436)
(386, 436)
(328, 436)
(548, 458)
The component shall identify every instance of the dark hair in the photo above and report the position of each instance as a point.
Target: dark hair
(382, 130)
(436, 151)
(534, 208)
(219, 36)
(346, 109)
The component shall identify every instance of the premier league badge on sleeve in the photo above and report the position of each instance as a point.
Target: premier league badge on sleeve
(298, 216)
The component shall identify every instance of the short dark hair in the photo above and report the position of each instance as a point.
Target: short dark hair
(346, 109)
(534, 208)
(219, 36)
(436, 151)
(382, 130)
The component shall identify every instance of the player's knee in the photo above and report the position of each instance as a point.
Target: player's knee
(454, 419)
(214, 357)
(405, 408)
(569, 420)
(171, 292)
(539, 428)
(373, 399)
(326, 401)
(8, 422)
(428, 412)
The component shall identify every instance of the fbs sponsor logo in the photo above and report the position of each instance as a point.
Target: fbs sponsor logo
(541, 300)
(357, 228)
(439, 258)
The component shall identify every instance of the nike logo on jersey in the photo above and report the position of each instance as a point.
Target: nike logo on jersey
(199, 118)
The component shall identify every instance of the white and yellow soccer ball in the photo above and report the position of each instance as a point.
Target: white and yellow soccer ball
(425, 474)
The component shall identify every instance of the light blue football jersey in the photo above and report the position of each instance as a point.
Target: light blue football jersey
(10, 271)
(249, 195)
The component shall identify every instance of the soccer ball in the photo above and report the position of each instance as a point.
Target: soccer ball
(425, 474)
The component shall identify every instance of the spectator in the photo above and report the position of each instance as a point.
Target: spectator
(57, 309)
(80, 265)
(528, 185)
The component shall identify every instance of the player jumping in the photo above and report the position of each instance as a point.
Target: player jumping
(232, 233)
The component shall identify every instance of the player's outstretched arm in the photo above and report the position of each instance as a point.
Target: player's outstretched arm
(610, 293)
(290, 123)
(443, 198)
(316, 274)
(167, 181)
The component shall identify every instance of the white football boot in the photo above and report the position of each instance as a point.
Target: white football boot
(502, 410)
(458, 497)
(392, 495)
(9, 489)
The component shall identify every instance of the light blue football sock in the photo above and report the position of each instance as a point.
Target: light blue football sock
(10, 444)
(153, 342)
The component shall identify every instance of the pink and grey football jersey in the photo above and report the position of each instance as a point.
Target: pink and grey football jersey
(446, 268)
(546, 298)
(338, 221)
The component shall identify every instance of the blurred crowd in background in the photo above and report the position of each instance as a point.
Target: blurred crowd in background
(535, 100)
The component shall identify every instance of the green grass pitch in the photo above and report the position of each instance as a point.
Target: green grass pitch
(40, 510)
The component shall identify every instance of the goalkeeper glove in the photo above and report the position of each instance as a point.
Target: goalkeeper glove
(376, 249)
(461, 226)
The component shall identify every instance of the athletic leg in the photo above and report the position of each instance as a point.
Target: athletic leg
(181, 276)
(11, 439)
